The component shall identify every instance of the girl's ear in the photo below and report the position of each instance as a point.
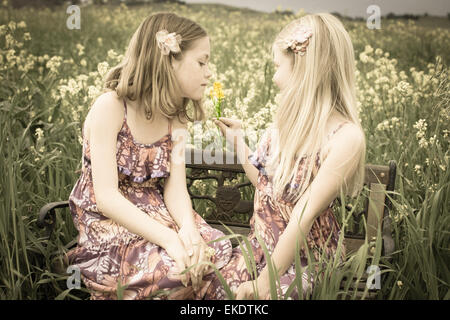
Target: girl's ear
(175, 63)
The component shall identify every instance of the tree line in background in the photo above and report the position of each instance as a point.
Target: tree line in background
(52, 3)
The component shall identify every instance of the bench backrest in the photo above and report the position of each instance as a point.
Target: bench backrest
(225, 203)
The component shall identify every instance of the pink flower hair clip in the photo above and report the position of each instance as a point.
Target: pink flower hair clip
(299, 39)
(168, 42)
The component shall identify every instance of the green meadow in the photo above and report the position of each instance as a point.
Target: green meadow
(50, 76)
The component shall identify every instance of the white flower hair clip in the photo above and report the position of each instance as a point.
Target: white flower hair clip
(168, 42)
(299, 39)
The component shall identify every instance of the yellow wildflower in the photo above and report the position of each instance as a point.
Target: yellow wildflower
(217, 96)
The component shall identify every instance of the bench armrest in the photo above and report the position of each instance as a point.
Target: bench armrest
(46, 216)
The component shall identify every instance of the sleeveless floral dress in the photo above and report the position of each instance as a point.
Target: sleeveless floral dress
(107, 253)
(270, 218)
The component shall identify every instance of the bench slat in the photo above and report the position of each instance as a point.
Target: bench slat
(375, 209)
(376, 174)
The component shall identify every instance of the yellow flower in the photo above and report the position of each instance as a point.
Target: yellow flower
(216, 94)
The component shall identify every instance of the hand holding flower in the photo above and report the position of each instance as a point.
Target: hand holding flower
(231, 129)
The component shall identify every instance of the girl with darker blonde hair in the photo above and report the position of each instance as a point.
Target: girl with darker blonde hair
(135, 232)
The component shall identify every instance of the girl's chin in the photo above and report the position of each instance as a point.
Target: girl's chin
(197, 96)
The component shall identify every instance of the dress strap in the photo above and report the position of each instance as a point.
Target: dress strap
(336, 130)
(170, 126)
(125, 105)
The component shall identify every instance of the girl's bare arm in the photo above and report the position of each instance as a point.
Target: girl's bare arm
(176, 196)
(106, 116)
(243, 152)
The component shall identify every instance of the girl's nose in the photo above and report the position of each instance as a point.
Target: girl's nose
(208, 73)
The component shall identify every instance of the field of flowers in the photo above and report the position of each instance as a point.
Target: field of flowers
(50, 76)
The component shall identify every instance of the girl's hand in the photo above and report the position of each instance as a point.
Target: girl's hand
(245, 291)
(231, 129)
(196, 248)
(176, 250)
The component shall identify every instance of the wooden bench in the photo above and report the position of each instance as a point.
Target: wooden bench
(223, 203)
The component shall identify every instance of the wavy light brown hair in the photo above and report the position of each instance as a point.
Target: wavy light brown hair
(146, 76)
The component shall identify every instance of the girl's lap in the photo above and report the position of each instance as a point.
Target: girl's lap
(212, 237)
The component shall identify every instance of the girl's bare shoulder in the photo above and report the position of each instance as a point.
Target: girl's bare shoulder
(349, 136)
(350, 131)
(109, 109)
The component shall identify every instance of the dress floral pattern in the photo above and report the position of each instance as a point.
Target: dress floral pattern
(270, 218)
(107, 254)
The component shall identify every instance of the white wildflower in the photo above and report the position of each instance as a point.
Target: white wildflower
(39, 133)
(417, 168)
(433, 139)
(80, 49)
(2, 30)
(102, 68)
(12, 25)
(54, 63)
(423, 143)
(93, 92)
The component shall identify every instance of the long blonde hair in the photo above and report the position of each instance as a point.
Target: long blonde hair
(146, 75)
(321, 81)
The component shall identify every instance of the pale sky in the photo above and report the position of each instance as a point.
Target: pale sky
(352, 8)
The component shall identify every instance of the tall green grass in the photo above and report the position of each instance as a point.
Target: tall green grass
(334, 279)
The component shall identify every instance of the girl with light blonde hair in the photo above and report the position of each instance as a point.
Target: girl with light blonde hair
(135, 232)
(312, 153)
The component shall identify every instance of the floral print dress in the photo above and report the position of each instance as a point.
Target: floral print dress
(107, 253)
(270, 218)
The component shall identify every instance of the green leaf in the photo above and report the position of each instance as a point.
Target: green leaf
(63, 294)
